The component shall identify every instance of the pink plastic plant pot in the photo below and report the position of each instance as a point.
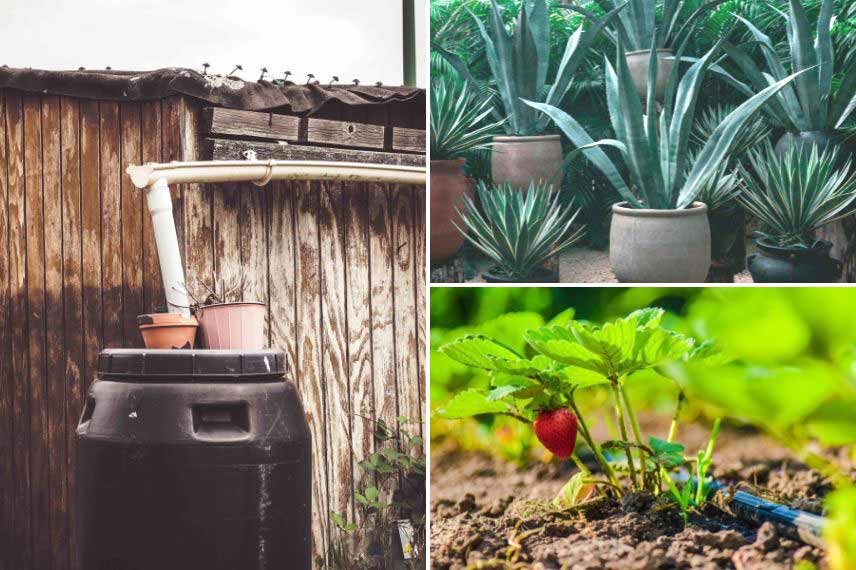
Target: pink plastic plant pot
(233, 325)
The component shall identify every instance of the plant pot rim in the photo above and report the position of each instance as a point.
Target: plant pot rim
(526, 138)
(822, 247)
(448, 162)
(204, 307)
(533, 277)
(166, 320)
(697, 209)
(648, 51)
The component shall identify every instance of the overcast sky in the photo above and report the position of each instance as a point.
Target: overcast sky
(348, 38)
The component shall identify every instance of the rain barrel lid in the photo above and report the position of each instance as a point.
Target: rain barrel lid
(194, 366)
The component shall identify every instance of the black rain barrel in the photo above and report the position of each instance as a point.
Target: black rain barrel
(193, 460)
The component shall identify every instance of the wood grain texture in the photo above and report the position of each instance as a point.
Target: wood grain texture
(420, 267)
(254, 246)
(282, 262)
(54, 337)
(219, 121)
(334, 361)
(132, 225)
(152, 150)
(90, 220)
(72, 296)
(309, 353)
(111, 225)
(405, 302)
(409, 140)
(7, 381)
(345, 133)
(221, 149)
(37, 332)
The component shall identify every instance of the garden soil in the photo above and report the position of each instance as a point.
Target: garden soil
(488, 514)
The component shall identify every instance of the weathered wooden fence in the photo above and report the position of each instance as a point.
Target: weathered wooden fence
(341, 267)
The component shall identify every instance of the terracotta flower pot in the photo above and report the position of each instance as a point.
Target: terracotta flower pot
(638, 62)
(168, 330)
(660, 246)
(448, 186)
(233, 325)
(523, 160)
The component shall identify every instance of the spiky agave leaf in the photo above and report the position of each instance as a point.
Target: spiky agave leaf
(796, 192)
(458, 120)
(519, 230)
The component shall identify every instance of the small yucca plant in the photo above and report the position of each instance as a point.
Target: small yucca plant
(458, 122)
(519, 230)
(795, 193)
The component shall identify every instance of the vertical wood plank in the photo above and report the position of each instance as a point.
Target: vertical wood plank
(227, 235)
(358, 279)
(171, 150)
(54, 332)
(282, 273)
(36, 322)
(334, 363)
(152, 131)
(111, 225)
(254, 245)
(130, 115)
(198, 212)
(72, 275)
(405, 305)
(7, 388)
(382, 256)
(22, 528)
(309, 354)
(90, 218)
(420, 267)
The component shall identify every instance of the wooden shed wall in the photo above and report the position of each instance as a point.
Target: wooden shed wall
(341, 267)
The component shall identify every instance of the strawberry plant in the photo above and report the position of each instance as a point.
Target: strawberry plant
(537, 381)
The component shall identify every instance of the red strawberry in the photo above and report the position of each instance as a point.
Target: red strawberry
(557, 431)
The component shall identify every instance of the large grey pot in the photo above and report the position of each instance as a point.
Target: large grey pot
(638, 61)
(522, 160)
(799, 140)
(660, 246)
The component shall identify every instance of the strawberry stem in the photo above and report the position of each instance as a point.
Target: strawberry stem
(595, 448)
(619, 417)
(637, 433)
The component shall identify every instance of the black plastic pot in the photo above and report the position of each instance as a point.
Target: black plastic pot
(726, 226)
(819, 138)
(776, 264)
(537, 276)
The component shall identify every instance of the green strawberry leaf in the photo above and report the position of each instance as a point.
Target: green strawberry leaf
(472, 403)
(478, 351)
(667, 454)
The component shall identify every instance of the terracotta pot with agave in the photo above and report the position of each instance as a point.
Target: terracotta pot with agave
(660, 232)
(794, 194)
(229, 323)
(519, 64)
(459, 125)
(519, 231)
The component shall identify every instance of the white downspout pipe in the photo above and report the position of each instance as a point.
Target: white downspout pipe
(156, 178)
(159, 201)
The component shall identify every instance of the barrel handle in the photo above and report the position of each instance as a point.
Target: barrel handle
(225, 422)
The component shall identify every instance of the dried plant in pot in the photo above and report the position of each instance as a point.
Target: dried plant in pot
(519, 231)
(229, 323)
(794, 194)
(459, 125)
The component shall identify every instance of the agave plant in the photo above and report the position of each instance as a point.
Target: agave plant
(755, 130)
(458, 122)
(796, 192)
(813, 102)
(721, 190)
(519, 63)
(519, 230)
(656, 152)
(638, 23)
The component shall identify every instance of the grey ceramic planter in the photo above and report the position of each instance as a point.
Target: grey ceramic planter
(522, 160)
(660, 246)
(638, 61)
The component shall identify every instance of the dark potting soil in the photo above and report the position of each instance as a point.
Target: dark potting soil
(488, 514)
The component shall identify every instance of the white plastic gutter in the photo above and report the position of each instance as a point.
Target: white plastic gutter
(155, 179)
